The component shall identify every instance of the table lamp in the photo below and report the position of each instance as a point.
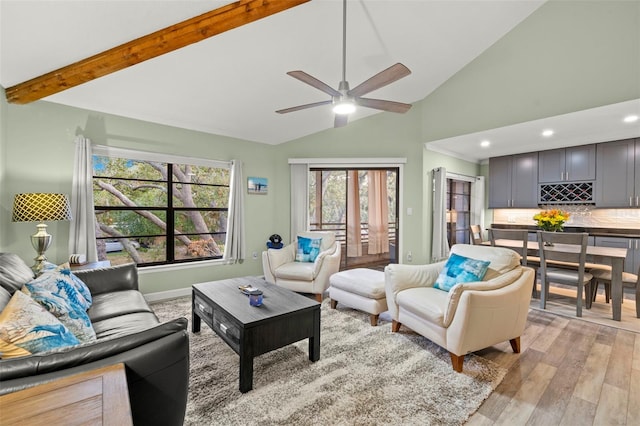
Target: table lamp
(41, 207)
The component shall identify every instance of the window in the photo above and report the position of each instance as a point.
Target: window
(340, 200)
(154, 212)
(458, 211)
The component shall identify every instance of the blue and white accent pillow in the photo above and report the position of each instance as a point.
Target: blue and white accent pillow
(61, 276)
(460, 269)
(308, 249)
(72, 315)
(27, 328)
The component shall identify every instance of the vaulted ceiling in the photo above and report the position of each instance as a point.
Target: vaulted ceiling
(231, 84)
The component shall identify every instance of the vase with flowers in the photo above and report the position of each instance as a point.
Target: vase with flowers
(551, 220)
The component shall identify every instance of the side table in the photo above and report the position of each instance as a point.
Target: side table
(99, 397)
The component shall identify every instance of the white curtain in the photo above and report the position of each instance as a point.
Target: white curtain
(82, 231)
(299, 199)
(354, 229)
(439, 245)
(477, 201)
(378, 212)
(234, 246)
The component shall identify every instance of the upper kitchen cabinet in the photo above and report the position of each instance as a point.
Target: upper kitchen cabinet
(513, 181)
(618, 179)
(577, 163)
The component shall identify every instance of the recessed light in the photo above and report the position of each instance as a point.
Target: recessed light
(485, 143)
(630, 119)
(547, 133)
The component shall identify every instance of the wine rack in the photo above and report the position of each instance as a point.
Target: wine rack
(566, 193)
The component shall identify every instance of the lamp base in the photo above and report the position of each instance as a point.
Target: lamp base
(40, 241)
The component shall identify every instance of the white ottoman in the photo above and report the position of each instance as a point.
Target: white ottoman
(360, 288)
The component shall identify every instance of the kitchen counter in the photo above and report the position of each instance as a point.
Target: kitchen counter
(597, 232)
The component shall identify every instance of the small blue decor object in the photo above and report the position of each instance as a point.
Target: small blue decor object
(460, 269)
(255, 297)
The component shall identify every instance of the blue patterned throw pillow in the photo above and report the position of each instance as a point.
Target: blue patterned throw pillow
(65, 270)
(72, 315)
(60, 280)
(308, 249)
(460, 269)
(27, 328)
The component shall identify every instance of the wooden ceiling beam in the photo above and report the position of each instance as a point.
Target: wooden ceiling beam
(147, 47)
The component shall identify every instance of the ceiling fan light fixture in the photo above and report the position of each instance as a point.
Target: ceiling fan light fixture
(344, 107)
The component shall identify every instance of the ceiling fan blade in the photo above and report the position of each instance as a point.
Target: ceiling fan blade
(341, 120)
(380, 104)
(312, 81)
(388, 76)
(299, 107)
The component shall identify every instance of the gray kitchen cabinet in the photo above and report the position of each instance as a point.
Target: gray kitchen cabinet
(573, 164)
(513, 181)
(618, 174)
(632, 261)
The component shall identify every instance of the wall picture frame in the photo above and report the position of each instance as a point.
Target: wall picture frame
(257, 185)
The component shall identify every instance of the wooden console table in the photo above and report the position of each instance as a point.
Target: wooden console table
(96, 397)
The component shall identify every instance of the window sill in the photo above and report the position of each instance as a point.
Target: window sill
(179, 266)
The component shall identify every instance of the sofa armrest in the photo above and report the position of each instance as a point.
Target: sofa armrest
(278, 257)
(496, 283)
(485, 318)
(157, 369)
(107, 280)
(401, 277)
(320, 259)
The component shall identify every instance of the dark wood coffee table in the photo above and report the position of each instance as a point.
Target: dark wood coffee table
(285, 317)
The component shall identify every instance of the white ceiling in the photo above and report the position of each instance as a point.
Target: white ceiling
(232, 83)
(578, 128)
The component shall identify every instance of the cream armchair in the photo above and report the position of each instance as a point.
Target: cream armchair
(471, 316)
(280, 266)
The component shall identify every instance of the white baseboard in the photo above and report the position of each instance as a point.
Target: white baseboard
(169, 294)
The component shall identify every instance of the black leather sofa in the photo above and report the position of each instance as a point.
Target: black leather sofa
(156, 355)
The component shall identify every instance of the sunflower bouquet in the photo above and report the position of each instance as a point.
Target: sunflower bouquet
(551, 220)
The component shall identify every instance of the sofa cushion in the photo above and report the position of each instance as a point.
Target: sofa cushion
(425, 302)
(72, 315)
(308, 249)
(460, 269)
(123, 325)
(300, 271)
(14, 273)
(109, 305)
(502, 259)
(27, 328)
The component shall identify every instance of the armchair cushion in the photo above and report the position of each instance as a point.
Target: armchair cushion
(460, 269)
(502, 259)
(308, 249)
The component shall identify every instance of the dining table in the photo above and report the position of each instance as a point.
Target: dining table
(614, 256)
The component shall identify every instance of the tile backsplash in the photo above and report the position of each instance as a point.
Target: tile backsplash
(580, 216)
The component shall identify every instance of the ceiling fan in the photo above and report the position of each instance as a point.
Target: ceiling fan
(344, 100)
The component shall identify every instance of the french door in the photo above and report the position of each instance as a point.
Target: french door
(361, 206)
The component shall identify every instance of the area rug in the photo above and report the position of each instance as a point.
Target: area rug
(562, 301)
(365, 375)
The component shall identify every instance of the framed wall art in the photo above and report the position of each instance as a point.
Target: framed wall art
(257, 185)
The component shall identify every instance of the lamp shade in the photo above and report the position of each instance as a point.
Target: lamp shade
(41, 207)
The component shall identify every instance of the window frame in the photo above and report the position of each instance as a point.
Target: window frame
(170, 209)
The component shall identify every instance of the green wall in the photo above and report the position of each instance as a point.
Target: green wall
(567, 56)
(38, 150)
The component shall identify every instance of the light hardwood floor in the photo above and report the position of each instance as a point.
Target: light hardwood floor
(569, 372)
